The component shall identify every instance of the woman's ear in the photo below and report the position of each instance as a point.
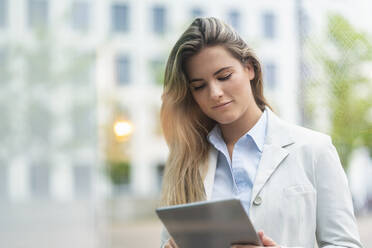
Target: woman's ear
(250, 69)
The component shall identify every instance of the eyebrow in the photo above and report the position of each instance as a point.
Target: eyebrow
(200, 79)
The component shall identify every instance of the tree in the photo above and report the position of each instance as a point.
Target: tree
(343, 65)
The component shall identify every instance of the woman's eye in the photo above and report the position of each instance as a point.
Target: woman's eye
(198, 87)
(225, 78)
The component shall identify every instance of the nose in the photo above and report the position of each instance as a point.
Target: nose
(215, 91)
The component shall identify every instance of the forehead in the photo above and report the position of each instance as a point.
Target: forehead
(208, 61)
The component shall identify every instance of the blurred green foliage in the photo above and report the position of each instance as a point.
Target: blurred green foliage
(344, 60)
(118, 172)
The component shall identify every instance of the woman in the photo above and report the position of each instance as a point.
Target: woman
(225, 141)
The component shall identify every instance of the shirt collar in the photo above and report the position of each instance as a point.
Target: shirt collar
(257, 133)
(215, 138)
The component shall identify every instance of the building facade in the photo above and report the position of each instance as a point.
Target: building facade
(130, 42)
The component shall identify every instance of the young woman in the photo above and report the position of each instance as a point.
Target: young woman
(225, 141)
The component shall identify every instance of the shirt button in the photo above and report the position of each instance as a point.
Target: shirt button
(257, 201)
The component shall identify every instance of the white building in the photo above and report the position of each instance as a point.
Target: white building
(50, 180)
(49, 133)
(132, 40)
(51, 128)
(143, 32)
(141, 46)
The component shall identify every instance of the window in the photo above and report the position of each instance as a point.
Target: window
(157, 68)
(40, 180)
(159, 20)
(234, 19)
(120, 18)
(37, 13)
(80, 16)
(196, 12)
(3, 181)
(3, 13)
(3, 57)
(270, 74)
(123, 75)
(269, 25)
(39, 122)
(159, 175)
(83, 122)
(82, 180)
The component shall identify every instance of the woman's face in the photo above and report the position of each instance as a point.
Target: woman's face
(220, 84)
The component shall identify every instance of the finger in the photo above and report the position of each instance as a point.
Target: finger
(243, 246)
(173, 244)
(267, 241)
(168, 244)
(261, 235)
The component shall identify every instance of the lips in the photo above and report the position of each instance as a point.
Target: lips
(221, 105)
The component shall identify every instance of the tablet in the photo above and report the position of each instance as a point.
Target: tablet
(209, 224)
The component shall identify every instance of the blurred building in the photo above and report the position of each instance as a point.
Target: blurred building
(132, 62)
(48, 97)
(130, 42)
(50, 169)
(70, 70)
(142, 33)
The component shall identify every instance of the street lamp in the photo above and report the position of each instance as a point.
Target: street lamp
(122, 129)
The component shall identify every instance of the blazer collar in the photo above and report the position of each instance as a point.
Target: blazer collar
(278, 131)
(277, 138)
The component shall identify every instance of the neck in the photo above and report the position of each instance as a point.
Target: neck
(233, 131)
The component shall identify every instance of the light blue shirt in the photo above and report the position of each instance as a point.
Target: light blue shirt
(235, 178)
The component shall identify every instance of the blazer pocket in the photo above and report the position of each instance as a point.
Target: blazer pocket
(299, 189)
(299, 213)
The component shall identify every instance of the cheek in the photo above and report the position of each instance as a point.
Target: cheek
(241, 88)
(199, 100)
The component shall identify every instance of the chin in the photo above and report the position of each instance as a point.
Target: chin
(227, 120)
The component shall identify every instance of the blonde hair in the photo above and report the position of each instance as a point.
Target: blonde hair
(184, 125)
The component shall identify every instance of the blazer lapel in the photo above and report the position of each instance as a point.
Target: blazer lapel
(277, 137)
(271, 158)
(209, 175)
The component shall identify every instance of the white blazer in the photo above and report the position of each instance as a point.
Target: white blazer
(300, 194)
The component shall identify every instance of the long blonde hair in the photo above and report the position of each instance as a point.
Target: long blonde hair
(184, 125)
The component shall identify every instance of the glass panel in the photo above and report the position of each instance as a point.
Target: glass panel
(120, 18)
(40, 181)
(234, 19)
(82, 181)
(3, 13)
(123, 70)
(159, 24)
(157, 68)
(3, 182)
(197, 12)
(270, 74)
(80, 16)
(37, 13)
(269, 25)
(159, 175)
